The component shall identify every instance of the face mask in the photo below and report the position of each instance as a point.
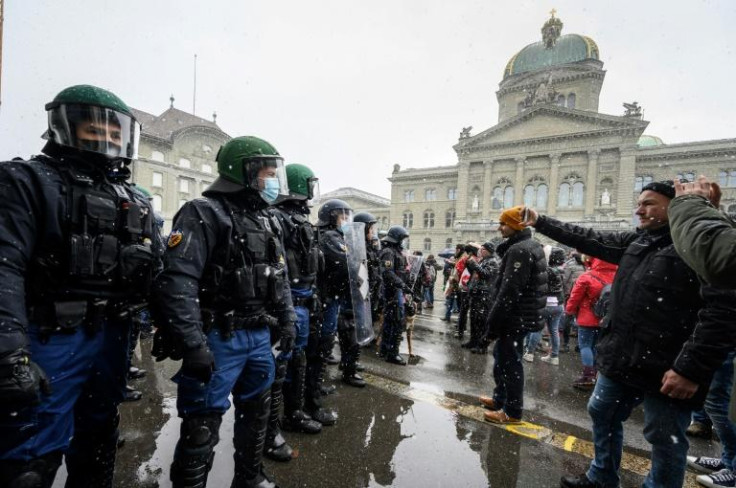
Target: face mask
(344, 228)
(270, 191)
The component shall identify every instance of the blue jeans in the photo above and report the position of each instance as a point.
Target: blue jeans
(429, 294)
(245, 368)
(587, 339)
(450, 303)
(508, 374)
(665, 421)
(553, 317)
(716, 406)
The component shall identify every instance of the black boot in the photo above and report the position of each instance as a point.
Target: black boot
(276, 446)
(251, 422)
(581, 481)
(35, 473)
(195, 450)
(314, 378)
(98, 443)
(295, 419)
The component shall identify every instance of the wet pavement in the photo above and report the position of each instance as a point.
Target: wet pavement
(418, 425)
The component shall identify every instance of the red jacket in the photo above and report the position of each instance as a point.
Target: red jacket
(586, 291)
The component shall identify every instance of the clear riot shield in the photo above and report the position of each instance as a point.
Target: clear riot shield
(415, 266)
(359, 287)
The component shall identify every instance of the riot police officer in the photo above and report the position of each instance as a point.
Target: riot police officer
(395, 285)
(375, 278)
(79, 250)
(334, 216)
(303, 259)
(223, 288)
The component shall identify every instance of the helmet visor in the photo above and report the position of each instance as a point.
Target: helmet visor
(342, 216)
(312, 190)
(259, 170)
(97, 129)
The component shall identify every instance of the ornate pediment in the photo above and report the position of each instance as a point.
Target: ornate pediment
(547, 121)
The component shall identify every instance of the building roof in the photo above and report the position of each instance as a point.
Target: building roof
(350, 192)
(649, 141)
(170, 122)
(570, 48)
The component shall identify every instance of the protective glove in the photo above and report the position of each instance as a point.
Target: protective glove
(199, 363)
(22, 382)
(287, 336)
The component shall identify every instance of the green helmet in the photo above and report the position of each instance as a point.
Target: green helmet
(88, 118)
(239, 164)
(303, 185)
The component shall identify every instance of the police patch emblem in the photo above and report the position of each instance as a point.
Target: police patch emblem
(517, 265)
(175, 238)
(388, 263)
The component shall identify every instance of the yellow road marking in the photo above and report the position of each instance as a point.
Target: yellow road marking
(570, 443)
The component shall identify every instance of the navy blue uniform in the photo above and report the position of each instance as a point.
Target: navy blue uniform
(395, 277)
(79, 250)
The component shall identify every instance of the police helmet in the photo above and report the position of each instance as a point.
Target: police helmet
(302, 183)
(331, 210)
(365, 217)
(396, 234)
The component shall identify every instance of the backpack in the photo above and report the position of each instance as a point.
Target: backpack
(554, 281)
(601, 304)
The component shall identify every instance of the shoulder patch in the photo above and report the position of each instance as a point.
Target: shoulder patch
(175, 238)
(517, 265)
(388, 263)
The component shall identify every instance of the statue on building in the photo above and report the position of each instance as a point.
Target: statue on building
(476, 203)
(543, 93)
(551, 30)
(465, 133)
(632, 110)
(605, 197)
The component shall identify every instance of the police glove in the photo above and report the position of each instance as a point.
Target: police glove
(22, 382)
(287, 335)
(199, 363)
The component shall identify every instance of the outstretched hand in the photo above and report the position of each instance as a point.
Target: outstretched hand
(530, 217)
(703, 187)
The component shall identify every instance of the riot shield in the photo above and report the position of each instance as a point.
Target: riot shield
(415, 266)
(359, 287)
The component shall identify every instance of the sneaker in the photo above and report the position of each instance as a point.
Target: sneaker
(705, 464)
(554, 361)
(699, 429)
(528, 357)
(500, 417)
(718, 479)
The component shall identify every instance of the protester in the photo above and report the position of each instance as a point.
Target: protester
(572, 269)
(483, 277)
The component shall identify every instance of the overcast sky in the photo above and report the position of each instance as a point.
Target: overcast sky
(352, 87)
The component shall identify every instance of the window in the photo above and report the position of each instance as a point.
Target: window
(157, 156)
(448, 242)
(508, 197)
(722, 178)
(578, 191)
(689, 176)
(450, 218)
(642, 181)
(452, 193)
(732, 178)
(409, 196)
(529, 195)
(408, 220)
(497, 201)
(571, 100)
(542, 192)
(430, 194)
(184, 185)
(206, 168)
(157, 179)
(561, 100)
(185, 163)
(564, 196)
(428, 219)
(156, 201)
(572, 192)
(427, 244)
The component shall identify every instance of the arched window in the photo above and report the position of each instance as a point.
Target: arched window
(156, 202)
(408, 220)
(648, 179)
(427, 244)
(578, 192)
(157, 156)
(542, 192)
(428, 219)
(638, 183)
(448, 242)
(497, 202)
(450, 218)
(529, 195)
(732, 178)
(561, 100)
(508, 197)
(563, 199)
(571, 100)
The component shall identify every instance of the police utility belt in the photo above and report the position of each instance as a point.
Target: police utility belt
(228, 322)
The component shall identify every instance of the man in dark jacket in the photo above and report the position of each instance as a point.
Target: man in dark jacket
(663, 338)
(484, 274)
(517, 309)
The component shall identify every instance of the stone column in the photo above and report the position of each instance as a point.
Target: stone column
(519, 181)
(487, 188)
(463, 177)
(591, 183)
(554, 182)
(626, 175)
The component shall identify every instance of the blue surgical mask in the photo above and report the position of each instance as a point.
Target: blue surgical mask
(271, 188)
(344, 228)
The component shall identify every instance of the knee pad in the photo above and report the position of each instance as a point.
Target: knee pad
(194, 452)
(198, 431)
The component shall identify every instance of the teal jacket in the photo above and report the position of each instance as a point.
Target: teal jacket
(705, 239)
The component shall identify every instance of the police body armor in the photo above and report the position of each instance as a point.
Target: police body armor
(393, 259)
(246, 275)
(106, 262)
(302, 254)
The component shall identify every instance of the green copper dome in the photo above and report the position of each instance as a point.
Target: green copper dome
(569, 48)
(649, 141)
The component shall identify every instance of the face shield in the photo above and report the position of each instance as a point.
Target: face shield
(267, 176)
(312, 191)
(95, 129)
(342, 217)
(405, 243)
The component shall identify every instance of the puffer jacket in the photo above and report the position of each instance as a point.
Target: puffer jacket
(521, 288)
(587, 290)
(661, 316)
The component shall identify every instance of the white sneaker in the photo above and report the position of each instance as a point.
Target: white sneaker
(719, 479)
(528, 357)
(549, 359)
